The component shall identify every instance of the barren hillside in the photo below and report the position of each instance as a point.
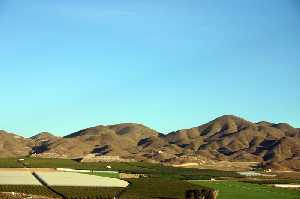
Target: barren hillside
(227, 138)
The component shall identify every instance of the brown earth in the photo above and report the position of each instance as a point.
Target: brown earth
(11, 195)
(227, 138)
(13, 145)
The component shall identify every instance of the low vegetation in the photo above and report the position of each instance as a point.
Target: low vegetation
(88, 192)
(234, 189)
(50, 163)
(161, 182)
(152, 170)
(67, 191)
(106, 174)
(28, 189)
(148, 188)
(143, 188)
(274, 181)
(10, 163)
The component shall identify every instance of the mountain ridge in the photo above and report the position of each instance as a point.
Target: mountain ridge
(226, 138)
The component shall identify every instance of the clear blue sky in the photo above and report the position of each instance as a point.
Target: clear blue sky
(68, 65)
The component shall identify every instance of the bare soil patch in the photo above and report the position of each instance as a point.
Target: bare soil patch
(219, 165)
(13, 195)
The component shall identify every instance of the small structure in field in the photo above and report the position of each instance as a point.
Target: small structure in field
(295, 186)
(255, 174)
(132, 175)
(268, 170)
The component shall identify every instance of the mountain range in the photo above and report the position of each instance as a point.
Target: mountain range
(227, 138)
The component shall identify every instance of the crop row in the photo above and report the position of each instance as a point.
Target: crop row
(273, 181)
(152, 170)
(148, 188)
(143, 188)
(10, 163)
(28, 189)
(88, 192)
(67, 192)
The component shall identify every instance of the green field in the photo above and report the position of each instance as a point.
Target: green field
(28, 189)
(10, 163)
(67, 192)
(237, 190)
(162, 181)
(106, 174)
(148, 188)
(88, 192)
(50, 163)
(273, 181)
(143, 188)
(151, 170)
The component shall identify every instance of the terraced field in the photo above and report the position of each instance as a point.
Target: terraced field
(237, 190)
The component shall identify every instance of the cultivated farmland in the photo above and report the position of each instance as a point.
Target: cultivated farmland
(54, 184)
(28, 189)
(64, 192)
(151, 170)
(234, 189)
(159, 181)
(17, 178)
(78, 179)
(88, 192)
(10, 163)
(148, 188)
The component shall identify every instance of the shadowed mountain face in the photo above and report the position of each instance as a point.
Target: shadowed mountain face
(43, 137)
(119, 140)
(225, 138)
(13, 145)
(232, 138)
